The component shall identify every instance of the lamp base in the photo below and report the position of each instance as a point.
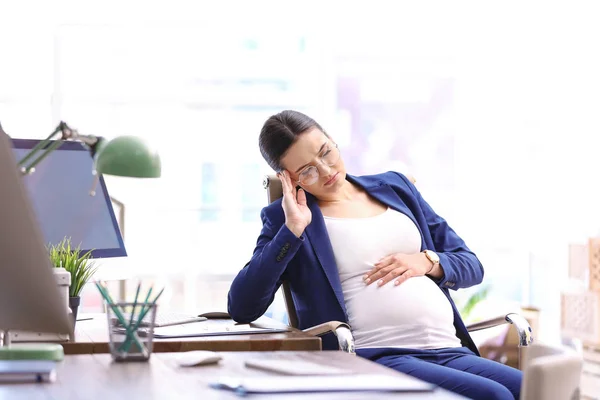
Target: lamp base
(32, 351)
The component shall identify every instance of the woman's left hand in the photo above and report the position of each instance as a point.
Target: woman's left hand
(400, 267)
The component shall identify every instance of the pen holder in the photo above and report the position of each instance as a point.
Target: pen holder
(131, 330)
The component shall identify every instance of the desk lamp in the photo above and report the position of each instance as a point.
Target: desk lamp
(127, 156)
(29, 297)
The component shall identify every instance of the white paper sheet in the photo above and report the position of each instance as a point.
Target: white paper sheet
(298, 384)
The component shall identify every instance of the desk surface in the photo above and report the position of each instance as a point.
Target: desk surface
(91, 337)
(97, 377)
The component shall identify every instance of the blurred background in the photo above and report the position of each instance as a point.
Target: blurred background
(492, 108)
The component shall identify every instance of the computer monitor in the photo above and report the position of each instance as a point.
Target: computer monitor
(59, 191)
(29, 297)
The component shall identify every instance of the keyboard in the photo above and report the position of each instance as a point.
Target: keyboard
(168, 318)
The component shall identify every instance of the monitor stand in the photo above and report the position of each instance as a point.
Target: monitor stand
(29, 351)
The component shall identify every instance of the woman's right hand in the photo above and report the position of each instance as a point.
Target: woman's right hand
(297, 213)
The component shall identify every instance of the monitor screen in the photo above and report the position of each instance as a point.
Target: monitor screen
(60, 194)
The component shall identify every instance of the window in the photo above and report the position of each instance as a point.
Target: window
(254, 197)
(209, 208)
(504, 152)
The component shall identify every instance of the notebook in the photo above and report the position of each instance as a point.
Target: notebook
(312, 384)
(27, 371)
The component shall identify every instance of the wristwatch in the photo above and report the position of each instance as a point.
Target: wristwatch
(433, 257)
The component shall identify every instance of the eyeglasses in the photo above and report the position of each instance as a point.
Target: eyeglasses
(310, 174)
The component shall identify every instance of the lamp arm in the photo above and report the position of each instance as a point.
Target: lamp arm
(37, 148)
(48, 147)
(73, 134)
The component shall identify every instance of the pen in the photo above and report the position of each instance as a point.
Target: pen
(144, 312)
(119, 315)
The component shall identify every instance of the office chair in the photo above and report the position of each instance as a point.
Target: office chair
(342, 330)
(551, 373)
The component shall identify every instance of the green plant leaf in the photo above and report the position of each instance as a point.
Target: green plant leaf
(80, 266)
(472, 301)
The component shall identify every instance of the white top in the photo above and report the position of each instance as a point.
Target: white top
(415, 314)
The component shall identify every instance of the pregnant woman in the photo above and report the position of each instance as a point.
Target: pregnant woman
(367, 250)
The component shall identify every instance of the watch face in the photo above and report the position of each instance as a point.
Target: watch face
(433, 256)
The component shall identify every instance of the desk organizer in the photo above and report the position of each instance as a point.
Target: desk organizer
(580, 305)
(580, 316)
(594, 264)
(130, 339)
(130, 325)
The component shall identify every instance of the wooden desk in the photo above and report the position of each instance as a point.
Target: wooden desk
(91, 337)
(91, 377)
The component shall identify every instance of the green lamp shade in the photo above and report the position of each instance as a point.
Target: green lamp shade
(128, 156)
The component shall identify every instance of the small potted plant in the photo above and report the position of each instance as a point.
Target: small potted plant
(80, 266)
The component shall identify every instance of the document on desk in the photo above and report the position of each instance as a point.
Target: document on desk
(311, 384)
(212, 327)
(27, 371)
(294, 367)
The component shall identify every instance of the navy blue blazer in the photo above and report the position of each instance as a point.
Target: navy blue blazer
(308, 262)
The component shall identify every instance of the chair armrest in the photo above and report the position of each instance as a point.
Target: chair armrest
(340, 330)
(520, 323)
(487, 323)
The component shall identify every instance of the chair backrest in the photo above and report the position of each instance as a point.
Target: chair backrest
(274, 192)
(274, 188)
(551, 373)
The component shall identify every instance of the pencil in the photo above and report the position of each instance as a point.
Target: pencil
(146, 309)
(119, 316)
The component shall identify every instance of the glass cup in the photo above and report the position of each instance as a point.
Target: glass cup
(130, 330)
